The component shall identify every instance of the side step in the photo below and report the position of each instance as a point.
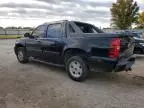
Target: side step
(48, 63)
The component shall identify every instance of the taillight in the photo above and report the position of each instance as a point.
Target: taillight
(114, 48)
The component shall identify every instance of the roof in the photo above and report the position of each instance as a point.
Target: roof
(61, 21)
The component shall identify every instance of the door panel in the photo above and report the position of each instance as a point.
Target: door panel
(33, 48)
(34, 44)
(51, 49)
(46, 48)
(53, 45)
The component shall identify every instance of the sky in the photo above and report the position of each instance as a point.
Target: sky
(35, 12)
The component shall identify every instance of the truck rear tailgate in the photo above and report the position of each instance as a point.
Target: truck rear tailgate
(126, 58)
(127, 47)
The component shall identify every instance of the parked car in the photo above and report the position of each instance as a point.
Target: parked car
(139, 43)
(79, 46)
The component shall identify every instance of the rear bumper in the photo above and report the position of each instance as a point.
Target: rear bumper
(101, 64)
(125, 64)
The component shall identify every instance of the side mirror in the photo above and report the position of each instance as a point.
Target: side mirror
(27, 35)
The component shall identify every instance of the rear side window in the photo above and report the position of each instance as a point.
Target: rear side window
(54, 30)
(39, 32)
(88, 28)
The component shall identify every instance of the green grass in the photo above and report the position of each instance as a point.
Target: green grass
(10, 36)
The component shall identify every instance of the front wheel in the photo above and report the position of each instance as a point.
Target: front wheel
(77, 68)
(21, 55)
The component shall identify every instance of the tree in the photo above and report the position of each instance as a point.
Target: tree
(1, 27)
(140, 21)
(30, 28)
(11, 27)
(19, 27)
(124, 13)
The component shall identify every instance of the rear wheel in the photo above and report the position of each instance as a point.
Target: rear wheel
(77, 68)
(21, 55)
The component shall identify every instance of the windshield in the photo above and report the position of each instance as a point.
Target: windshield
(88, 28)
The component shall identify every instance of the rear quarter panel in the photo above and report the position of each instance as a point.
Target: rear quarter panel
(93, 46)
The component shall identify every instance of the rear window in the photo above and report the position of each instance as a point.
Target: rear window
(88, 28)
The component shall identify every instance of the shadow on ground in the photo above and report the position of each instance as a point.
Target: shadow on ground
(139, 57)
(124, 78)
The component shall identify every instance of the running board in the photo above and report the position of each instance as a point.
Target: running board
(48, 63)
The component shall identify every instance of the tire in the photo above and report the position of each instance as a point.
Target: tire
(77, 68)
(21, 55)
(138, 51)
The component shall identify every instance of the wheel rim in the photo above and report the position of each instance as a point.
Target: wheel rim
(75, 69)
(20, 55)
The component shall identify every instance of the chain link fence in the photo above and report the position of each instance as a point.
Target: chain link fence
(14, 31)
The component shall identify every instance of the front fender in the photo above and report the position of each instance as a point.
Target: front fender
(19, 43)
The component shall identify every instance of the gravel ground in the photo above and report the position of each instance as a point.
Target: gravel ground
(37, 85)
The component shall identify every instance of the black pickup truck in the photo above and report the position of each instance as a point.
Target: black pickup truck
(79, 46)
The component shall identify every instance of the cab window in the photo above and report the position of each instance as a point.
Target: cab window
(39, 32)
(54, 30)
